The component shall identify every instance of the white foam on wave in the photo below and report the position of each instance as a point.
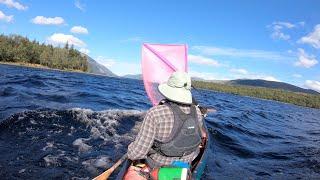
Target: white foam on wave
(22, 171)
(22, 116)
(72, 130)
(48, 146)
(57, 156)
(97, 137)
(81, 145)
(58, 125)
(104, 125)
(80, 178)
(32, 121)
(93, 164)
(51, 160)
(102, 161)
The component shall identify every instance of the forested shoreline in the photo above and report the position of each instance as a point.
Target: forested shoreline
(300, 99)
(18, 49)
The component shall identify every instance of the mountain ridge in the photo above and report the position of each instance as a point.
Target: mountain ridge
(133, 76)
(270, 84)
(97, 68)
(249, 82)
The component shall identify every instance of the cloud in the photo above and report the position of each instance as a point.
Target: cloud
(305, 60)
(207, 76)
(79, 30)
(267, 78)
(277, 34)
(13, 4)
(119, 67)
(238, 74)
(277, 28)
(244, 74)
(312, 38)
(284, 24)
(5, 18)
(258, 76)
(122, 68)
(239, 71)
(297, 75)
(314, 85)
(203, 60)
(232, 52)
(84, 50)
(79, 5)
(61, 39)
(254, 76)
(47, 20)
(106, 61)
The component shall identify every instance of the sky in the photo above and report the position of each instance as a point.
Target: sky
(251, 39)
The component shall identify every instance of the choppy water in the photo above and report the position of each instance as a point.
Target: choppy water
(60, 125)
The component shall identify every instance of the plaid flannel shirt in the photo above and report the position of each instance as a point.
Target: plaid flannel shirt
(157, 125)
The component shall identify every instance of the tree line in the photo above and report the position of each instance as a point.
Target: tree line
(18, 49)
(300, 99)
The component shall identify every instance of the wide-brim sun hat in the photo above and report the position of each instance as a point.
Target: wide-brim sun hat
(177, 88)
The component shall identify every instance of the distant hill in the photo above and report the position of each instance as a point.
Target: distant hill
(269, 84)
(197, 79)
(267, 92)
(248, 82)
(133, 76)
(261, 83)
(96, 68)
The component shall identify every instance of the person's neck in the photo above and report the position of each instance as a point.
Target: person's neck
(179, 104)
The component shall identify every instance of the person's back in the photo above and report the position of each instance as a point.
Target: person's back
(157, 126)
(170, 131)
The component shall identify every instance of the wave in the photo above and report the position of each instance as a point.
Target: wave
(43, 135)
(65, 143)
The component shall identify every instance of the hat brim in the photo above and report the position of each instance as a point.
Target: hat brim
(180, 95)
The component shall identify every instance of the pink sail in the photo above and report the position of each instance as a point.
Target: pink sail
(159, 61)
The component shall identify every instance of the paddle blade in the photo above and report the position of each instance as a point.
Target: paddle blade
(105, 175)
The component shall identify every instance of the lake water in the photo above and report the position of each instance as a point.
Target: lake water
(62, 125)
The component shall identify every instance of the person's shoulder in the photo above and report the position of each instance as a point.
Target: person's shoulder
(199, 113)
(155, 112)
(198, 109)
(157, 108)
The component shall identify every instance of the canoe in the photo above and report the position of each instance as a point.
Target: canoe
(197, 165)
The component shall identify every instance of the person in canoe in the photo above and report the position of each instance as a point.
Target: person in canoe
(170, 133)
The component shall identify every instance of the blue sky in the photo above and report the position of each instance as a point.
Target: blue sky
(273, 40)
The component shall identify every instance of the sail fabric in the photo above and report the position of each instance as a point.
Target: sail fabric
(159, 61)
